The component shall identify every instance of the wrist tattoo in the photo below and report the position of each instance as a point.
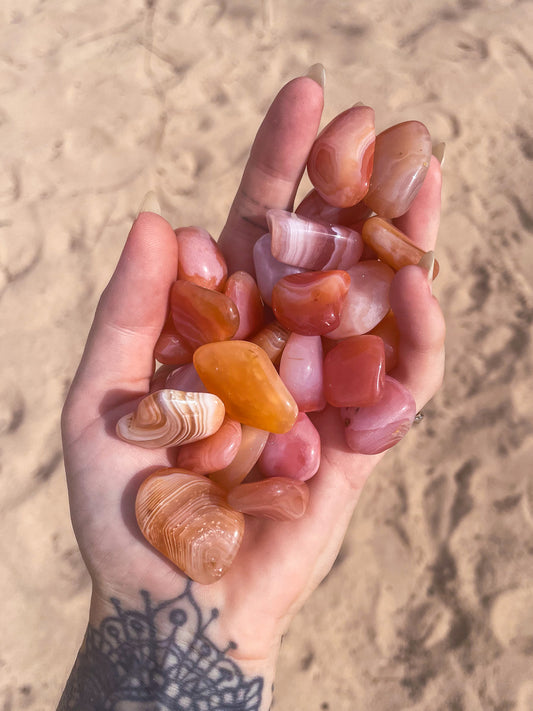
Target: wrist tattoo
(134, 662)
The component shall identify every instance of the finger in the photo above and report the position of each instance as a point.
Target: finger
(118, 359)
(422, 330)
(275, 166)
(421, 221)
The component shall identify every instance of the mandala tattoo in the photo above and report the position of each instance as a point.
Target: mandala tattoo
(129, 665)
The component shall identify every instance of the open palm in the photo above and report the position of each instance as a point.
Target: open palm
(279, 563)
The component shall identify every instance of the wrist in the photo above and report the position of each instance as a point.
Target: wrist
(171, 652)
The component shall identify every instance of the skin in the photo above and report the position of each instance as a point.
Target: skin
(278, 565)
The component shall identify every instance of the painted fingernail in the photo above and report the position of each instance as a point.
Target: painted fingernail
(150, 203)
(427, 262)
(317, 73)
(439, 149)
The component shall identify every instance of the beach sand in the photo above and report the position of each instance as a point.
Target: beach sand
(430, 603)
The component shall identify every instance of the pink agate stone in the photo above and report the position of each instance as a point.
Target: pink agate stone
(340, 161)
(212, 453)
(199, 258)
(294, 454)
(277, 498)
(314, 207)
(243, 291)
(303, 243)
(367, 300)
(301, 371)
(370, 430)
(253, 442)
(267, 269)
(354, 372)
(185, 378)
(310, 303)
(401, 161)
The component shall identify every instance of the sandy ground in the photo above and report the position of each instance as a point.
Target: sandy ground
(430, 605)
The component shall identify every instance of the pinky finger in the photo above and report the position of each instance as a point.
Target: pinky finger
(422, 330)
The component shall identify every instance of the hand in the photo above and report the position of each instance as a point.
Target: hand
(279, 564)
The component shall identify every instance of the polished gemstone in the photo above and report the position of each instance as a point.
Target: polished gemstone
(373, 429)
(387, 330)
(294, 454)
(252, 444)
(354, 372)
(202, 315)
(301, 371)
(199, 258)
(391, 245)
(212, 453)
(272, 338)
(367, 300)
(242, 289)
(185, 378)
(243, 377)
(401, 161)
(340, 161)
(276, 498)
(171, 348)
(304, 243)
(310, 303)
(314, 207)
(267, 269)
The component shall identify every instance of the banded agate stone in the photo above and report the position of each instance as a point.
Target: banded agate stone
(212, 453)
(373, 429)
(277, 498)
(310, 303)
(314, 207)
(312, 245)
(272, 339)
(387, 330)
(401, 160)
(244, 292)
(391, 245)
(301, 371)
(267, 269)
(367, 300)
(186, 517)
(294, 454)
(341, 159)
(241, 374)
(199, 259)
(354, 372)
(202, 315)
(253, 442)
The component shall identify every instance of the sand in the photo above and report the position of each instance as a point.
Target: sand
(430, 604)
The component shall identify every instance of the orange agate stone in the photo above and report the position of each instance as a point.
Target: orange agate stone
(272, 339)
(391, 245)
(387, 330)
(253, 442)
(243, 376)
(354, 372)
(277, 498)
(310, 303)
(341, 159)
(202, 315)
(170, 348)
(199, 258)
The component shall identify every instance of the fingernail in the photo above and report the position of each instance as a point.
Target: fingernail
(427, 262)
(439, 149)
(150, 203)
(358, 103)
(317, 73)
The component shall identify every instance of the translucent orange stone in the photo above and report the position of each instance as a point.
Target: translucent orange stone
(272, 339)
(277, 498)
(170, 347)
(202, 315)
(242, 289)
(311, 303)
(401, 160)
(391, 245)
(314, 207)
(199, 258)
(354, 372)
(340, 161)
(253, 442)
(387, 330)
(243, 376)
(212, 453)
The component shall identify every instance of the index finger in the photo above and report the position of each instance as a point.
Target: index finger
(274, 169)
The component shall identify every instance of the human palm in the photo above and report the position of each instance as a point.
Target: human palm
(279, 563)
